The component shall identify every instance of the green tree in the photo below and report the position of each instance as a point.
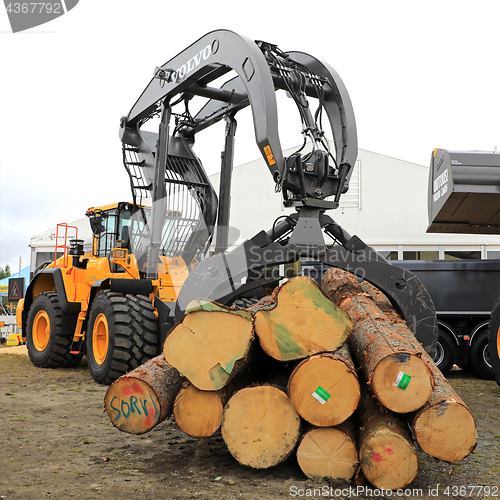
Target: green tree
(4, 273)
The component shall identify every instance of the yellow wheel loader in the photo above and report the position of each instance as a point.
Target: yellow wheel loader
(151, 257)
(99, 303)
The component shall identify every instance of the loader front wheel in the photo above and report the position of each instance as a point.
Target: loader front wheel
(47, 347)
(121, 335)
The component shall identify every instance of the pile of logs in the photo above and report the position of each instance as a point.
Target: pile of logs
(331, 373)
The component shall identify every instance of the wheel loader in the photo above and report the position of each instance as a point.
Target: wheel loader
(151, 257)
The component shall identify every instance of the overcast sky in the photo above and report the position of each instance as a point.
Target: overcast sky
(420, 74)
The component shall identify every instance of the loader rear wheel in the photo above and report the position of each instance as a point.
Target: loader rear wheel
(47, 347)
(100, 339)
(494, 341)
(121, 335)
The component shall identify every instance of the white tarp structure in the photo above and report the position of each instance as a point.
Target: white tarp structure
(43, 245)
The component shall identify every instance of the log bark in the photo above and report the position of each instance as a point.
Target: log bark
(260, 426)
(329, 452)
(139, 400)
(387, 458)
(324, 388)
(299, 321)
(444, 427)
(211, 344)
(389, 359)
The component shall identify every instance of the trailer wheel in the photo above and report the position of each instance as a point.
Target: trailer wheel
(494, 341)
(47, 347)
(444, 356)
(121, 335)
(480, 359)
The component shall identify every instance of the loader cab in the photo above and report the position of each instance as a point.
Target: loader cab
(110, 227)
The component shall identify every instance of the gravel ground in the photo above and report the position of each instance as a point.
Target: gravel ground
(57, 442)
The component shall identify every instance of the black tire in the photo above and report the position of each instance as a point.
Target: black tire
(121, 335)
(75, 360)
(444, 356)
(494, 341)
(47, 347)
(479, 356)
(466, 367)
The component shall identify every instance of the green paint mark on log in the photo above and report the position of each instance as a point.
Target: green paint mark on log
(287, 347)
(319, 299)
(219, 376)
(228, 367)
(209, 306)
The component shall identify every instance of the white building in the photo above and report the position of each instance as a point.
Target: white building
(386, 206)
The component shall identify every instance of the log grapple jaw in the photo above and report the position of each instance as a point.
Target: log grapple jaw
(312, 179)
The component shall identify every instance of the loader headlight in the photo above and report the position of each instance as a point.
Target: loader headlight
(120, 253)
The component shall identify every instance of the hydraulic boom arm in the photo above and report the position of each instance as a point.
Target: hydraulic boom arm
(261, 69)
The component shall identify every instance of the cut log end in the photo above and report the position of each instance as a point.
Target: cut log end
(132, 405)
(207, 346)
(389, 357)
(198, 413)
(301, 321)
(324, 390)
(446, 431)
(327, 452)
(388, 461)
(402, 382)
(260, 426)
(444, 427)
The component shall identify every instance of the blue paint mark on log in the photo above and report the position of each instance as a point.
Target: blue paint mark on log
(132, 406)
(402, 357)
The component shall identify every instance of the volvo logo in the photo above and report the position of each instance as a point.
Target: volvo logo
(191, 64)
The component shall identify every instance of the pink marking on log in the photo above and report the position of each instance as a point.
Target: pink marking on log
(149, 419)
(132, 389)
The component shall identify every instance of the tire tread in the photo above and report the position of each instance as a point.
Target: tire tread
(60, 355)
(136, 339)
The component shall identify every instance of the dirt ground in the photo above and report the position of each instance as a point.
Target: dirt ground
(57, 442)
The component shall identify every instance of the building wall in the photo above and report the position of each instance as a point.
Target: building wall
(390, 215)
